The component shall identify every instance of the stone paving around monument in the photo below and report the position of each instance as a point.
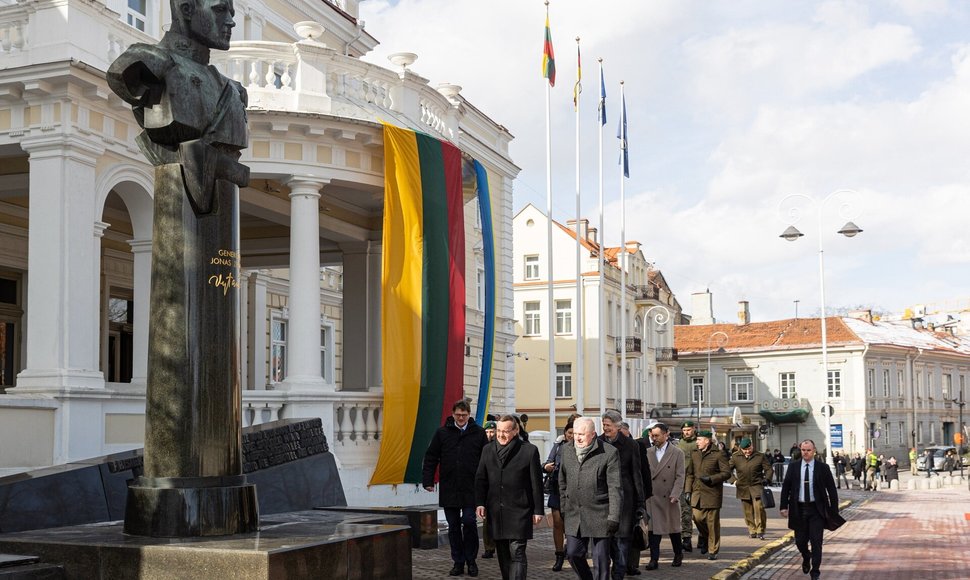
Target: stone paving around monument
(904, 534)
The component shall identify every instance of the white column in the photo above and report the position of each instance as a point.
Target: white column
(142, 266)
(362, 316)
(303, 326)
(256, 342)
(62, 318)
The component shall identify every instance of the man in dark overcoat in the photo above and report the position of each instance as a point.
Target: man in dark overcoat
(752, 470)
(455, 451)
(707, 471)
(589, 488)
(633, 555)
(631, 493)
(663, 508)
(809, 499)
(508, 489)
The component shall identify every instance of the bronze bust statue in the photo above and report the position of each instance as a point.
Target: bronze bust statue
(194, 122)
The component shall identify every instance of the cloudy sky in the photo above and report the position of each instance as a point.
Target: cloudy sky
(734, 105)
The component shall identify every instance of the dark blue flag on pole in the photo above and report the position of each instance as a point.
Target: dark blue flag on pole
(621, 135)
(602, 105)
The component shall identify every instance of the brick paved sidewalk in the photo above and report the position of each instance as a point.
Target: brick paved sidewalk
(900, 535)
(735, 545)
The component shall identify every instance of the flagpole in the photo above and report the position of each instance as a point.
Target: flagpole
(601, 261)
(622, 255)
(549, 269)
(580, 322)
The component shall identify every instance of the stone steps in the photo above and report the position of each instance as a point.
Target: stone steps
(16, 567)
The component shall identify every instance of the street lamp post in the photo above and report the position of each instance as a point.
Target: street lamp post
(661, 318)
(722, 339)
(791, 234)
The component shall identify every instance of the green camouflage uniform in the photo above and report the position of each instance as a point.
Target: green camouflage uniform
(686, 517)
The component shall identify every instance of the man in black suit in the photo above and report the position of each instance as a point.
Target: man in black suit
(808, 499)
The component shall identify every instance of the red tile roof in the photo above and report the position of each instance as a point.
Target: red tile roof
(773, 335)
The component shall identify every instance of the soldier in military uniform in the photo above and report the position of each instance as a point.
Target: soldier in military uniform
(707, 471)
(751, 470)
(687, 444)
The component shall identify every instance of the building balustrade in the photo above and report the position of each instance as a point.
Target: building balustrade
(633, 345)
(666, 354)
(646, 292)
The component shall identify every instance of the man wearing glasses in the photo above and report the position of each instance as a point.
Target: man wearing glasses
(455, 451)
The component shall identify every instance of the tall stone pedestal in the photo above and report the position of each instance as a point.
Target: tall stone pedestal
(294, 546)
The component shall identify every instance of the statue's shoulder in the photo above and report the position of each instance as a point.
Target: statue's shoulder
(243, 95)
(139, 67)
(156, 58)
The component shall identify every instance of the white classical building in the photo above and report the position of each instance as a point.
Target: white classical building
(891, 385)
(650, 358)
(76, 227)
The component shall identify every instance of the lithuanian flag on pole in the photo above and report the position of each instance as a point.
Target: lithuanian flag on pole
(423, 298)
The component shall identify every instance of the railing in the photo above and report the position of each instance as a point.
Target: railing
(13, 33)
(633, 345)
(666, 354)
(647, 292)
(357, 416)
(310, 77)
(358, 421)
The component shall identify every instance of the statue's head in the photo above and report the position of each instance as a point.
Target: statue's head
(209, 22)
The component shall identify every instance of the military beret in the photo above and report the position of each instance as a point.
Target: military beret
(687, 424)
(489, 424)
(745, 443)
(705, 433)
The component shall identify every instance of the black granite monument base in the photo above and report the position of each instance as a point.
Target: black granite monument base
(293, 546)
(179, 507)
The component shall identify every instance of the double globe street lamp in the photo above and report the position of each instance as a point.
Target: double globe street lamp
(793, 214)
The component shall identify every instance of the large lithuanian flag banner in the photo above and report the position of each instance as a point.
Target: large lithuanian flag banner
(423, 298)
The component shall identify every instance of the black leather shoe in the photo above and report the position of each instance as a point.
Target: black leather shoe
(560, 559)
(815, 576)
(806, 565)
(703, 549)
(652, 565)
(761, 536)
(712, 556)
(678, 560)
(457, 570)
(472, 569)
(488, 554)
(633, 572)
(685, 544)
(753, 535)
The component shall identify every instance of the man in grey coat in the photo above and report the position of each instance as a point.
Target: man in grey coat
(663, 507)
(589, 488)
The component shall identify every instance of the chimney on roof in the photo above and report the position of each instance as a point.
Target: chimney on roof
(702, 309)
(744, 315)
(591, 235)
(583, 231)
(931, 326)
(862, 315)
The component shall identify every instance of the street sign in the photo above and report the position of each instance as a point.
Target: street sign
(827, 410)
(836, 433)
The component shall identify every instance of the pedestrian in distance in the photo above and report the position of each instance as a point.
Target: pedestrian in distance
(508, 491)
(707, 470)
(872, 468)
(912, 460)
(488, 544)
(752, 472)
(687, 444)
(589, 488)
(778, 466)
(892, 470)
(455, 451)
(552, 467)
(858, 466)
(631, 492)
(667, 473)
(930, 471)
(810, 501)
(840, 470)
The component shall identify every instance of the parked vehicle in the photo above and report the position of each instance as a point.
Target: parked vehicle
(939, 458)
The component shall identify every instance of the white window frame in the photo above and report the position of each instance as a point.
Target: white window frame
(786, 385)
(902, 434)
(900, 380)
(871, 382)
(947, 386)
(564, 380)
(480, 289)
(133, 17)
(327, 351)
(531, 267)
(697, 384)
(532, 318)
(564, 316)
(735, 382)
(834, 384)
(277, 372)
(919, 384)
(886, 383)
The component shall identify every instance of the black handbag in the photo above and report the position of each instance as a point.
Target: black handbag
(767, 497)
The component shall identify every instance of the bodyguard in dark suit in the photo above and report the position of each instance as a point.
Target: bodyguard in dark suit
(589, 487)
(808, 499)
(508, 488)
(631, 493)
